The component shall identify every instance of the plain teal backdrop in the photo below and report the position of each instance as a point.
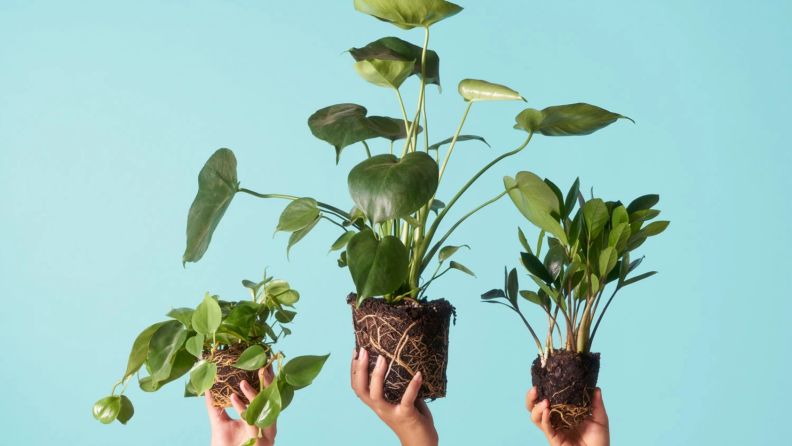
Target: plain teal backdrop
(108, 110)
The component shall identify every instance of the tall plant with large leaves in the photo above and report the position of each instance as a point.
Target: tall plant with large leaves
(396, 226)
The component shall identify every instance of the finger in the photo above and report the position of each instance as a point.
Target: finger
(546, 427)
(265, 375)
(360, 378)
(270, 372)
(239, 406)
(216, 414)
(377, 380)
(598, 414)
(248, 390)
(352, 366)
(536, 413)
(530, 399)
(408, 399)
(423, 409)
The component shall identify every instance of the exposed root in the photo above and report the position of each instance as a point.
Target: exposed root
(568, 416)
(229, 377)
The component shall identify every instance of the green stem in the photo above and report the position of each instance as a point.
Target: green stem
(335, 223)
(430, 233)
(594, 332)
(340, 213)
(391, 148)
(536, 339)
(404, 115)
(453, 141)
(368, 152)
(426, 124)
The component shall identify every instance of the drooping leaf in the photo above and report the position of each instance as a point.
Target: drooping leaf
(478, 90)
(217, 185)
(607, 261)
(346, 124)
(523, 240)
(437, 145)
(536, 201)
(569, 203)
(249, 442)
(165, 342)
(535, 266)
(643, 203)
(202, 376)
(566, 120)
(302, 370)
(596, 214)
(408, 14)
(194, 345)
(554, 261)
(140, 350)
(532, 297)
(285, 316)
(342, 241)
(550, 292)
(403, 129)
(207, 316)
(277, 286)
(377, 267)
(385, 73)
(126, 411)
(460, 267)
(189, 390)
(299, 235)
(106, 410)
(265, 407)
(342, 260)
(638, 278)
(393, 48)
(297, 215)
(253, 358)
(655, 228)
(289, 298)
(183, 315)
(385, 187)
(448, 251)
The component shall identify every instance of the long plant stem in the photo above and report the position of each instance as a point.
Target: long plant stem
(426, 124)
(594, 332)
(538, 343)
(368, 152)
(404, 115)
(453, 141)
(289, 197)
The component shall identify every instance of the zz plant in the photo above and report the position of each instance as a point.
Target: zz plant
(586, 252)
(215, 346)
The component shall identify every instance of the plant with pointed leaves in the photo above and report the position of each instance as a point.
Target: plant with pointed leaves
(586, 252)
(192, 341)
(390, 234)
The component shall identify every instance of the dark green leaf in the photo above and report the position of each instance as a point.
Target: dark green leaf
(342, 260)
(285, 316)
(207, 316)
(297, 215)
(437, 145)
(106, 410)
(550, 292)
(302, 370)
(554, 261)
(385, 187)
(140, 350)
(637, 278)
(408, 14)
(217, 184)
(342, 241)
(127, 410)
(643, 203)
(298, 235)
(512, 287)
(569, 203)
(253, 358)
(403, 129)
(202, 376)
(242, 316)
(448, 251)
(377, 267)
(478, 90)
(655, 228)
(393, 48)
(535, 266)
(493, 294)
(596, 214)
(165, 342)
(346, 124)
(460, 267)
(642, 216)
(566, 120)
(562, 213)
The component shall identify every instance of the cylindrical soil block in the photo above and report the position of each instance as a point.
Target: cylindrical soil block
(229, 377)
(412, 337)
(568, 381)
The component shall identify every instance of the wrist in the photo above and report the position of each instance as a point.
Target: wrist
(418, 438)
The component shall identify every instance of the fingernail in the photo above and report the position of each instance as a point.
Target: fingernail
(417, 377)
(354, 353)
(380, 361)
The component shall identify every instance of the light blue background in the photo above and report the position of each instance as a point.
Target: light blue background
(108, 110)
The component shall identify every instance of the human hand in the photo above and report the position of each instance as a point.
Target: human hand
(410, 420)
(227, 431)
(592, 432)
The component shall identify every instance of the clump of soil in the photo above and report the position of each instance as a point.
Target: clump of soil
(229, 377)
(412, 337)
(568, 381)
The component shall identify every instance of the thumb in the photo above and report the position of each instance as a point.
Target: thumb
(598, 413)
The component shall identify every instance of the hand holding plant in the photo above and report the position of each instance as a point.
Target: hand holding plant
(411, 419)
(592, 432)
(227, 431)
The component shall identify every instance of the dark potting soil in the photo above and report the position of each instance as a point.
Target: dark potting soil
(411, 337)
(567, 378)
(229, 377)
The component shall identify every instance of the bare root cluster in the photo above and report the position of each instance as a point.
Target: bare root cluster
(569, 416)
(229, 377)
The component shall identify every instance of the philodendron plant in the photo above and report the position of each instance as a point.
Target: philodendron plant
(390, 237)
(216, 346)
(587, 252)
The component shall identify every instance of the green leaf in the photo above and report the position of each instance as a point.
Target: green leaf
(402, 131)
(249, 442)
(638, 278)
(297, 215)
(437, 145)
(554, 261)
(385, 73)
(408, 14)
(536, 201)
(607, 260)
(287, 393)
(140, 350)
(448, 251)
(253, 358)
(655, 228)
(535, 266)
(478, 90)
(285, 316)
(550, 292)
(207, 316)
(299, 235)
(194, 345)
(493, 294)
(393, 48)
(165, 342)
(562, 214)
(183, 315)
(346, 124)
(302, 370)
(189, 390)
(202, 376)
(571, 197)
(342, 260)
(342, 241)
(377, 267)
(619, 236)
(289, 298)
(619, 216)
(566, 120)
(385, 187)
(523, 240)
(532, 297)
(106, 410)
(243, 315)
(217, 184)
(595, 284)
(645, 215)
(126, 411)
(460, 267)
(437, 205)
(596, 214)
(643, 203)
(265, 408)
(512, 287)
(277, 286)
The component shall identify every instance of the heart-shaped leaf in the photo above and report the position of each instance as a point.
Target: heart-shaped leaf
(140, 350)
(448, 251)
(408, 14)
(106, 410)
(127, 410)
(384, 73)
(385, 187)
(342, 241)
(165, 342)
(437, 145)
(566, 120)
(393, 48)
(217, 184)
(202, 376)
(265, 407)
(207, 316)
(297, 215)
(377, 267)
(302, 370)
(402, 131)
(194, 345)
(536, 201)
(346, 124)
(183, 315)
(299, 235)
(253, 358)
(478, 90)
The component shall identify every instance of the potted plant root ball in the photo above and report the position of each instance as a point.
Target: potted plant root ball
(585, 254)
(397, 226)
(215, 347)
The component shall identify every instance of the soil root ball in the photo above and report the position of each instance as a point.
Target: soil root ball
(567, 381)
(229, 377)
